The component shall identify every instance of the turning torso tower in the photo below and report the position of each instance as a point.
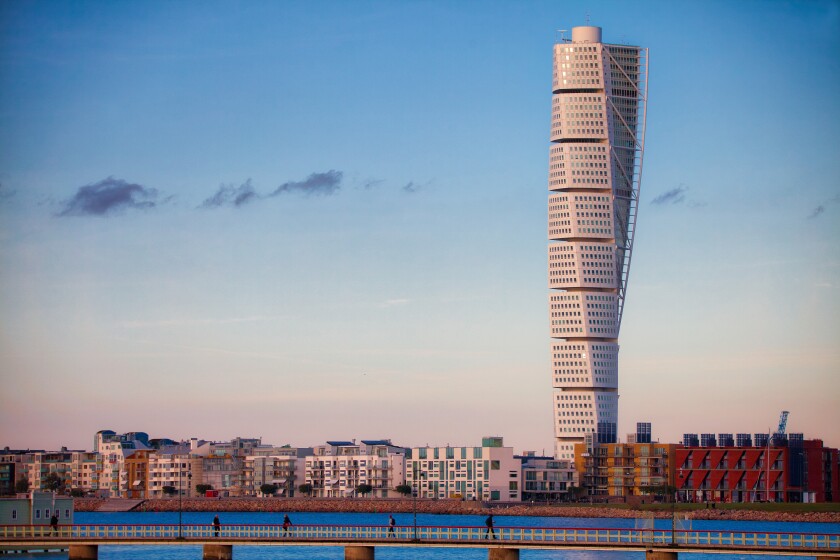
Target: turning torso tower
(595, 165)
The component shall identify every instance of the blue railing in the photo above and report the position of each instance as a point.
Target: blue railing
(442, 535)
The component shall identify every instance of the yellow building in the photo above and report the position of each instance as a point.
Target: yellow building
(137, 474)
(624, 469)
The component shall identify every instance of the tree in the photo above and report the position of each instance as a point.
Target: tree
(404, 489)
(661, 490)
(169, 490)
(77, 493)
(53, 483)
(22, 485)
(577, 492)
(305, 489)
(201, 489)
(364, 489)
(268, 489)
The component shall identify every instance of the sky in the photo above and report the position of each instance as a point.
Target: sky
(308, 221)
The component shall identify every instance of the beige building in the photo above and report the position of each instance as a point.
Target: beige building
(173, 467)
(282, 466)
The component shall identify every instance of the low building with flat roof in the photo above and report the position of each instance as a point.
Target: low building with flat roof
(36, 508)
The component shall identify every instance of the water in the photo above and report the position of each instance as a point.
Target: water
(186, 552)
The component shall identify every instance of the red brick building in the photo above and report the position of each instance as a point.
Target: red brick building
(804, 471)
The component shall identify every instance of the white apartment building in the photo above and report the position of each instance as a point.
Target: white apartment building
(173, 466)
(339, 467)
(486, 473)
(595, 165)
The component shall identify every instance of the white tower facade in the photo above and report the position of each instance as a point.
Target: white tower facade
(599, 105)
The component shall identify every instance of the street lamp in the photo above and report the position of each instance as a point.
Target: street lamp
(417, 475)
(181, 496)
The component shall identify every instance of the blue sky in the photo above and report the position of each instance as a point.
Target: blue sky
(329, 220)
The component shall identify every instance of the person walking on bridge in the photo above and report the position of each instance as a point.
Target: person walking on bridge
(217, 525)
(489, 523)
(286, 524)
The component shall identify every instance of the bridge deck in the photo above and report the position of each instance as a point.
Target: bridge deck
(744, 542)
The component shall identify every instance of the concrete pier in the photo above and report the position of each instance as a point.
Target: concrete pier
(660, 555)
(502, 554)
(358, 552)
(83, 552)
(218, 552)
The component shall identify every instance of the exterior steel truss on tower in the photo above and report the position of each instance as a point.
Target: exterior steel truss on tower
(599, 107)
(631, 179)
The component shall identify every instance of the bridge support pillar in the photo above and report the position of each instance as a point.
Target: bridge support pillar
(502, 554)
(218, 552)
(358, 552)
(660, 555)
(83, 552)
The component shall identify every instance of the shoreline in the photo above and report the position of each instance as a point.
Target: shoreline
(451, 507)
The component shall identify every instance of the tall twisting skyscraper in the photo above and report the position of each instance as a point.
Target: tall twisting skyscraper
(597, 143)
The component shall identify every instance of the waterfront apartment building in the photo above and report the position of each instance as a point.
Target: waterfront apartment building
(282, 466)
(339, 467)
(595, 165)
(112, 450)
(41, 468)
(486, 473)
(138, 474)
(620, 470)
(546, 479)
(74, 470)
(174, 467)
(778, 469)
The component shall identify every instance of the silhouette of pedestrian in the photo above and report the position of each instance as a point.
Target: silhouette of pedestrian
(489, 523)
(54, 523)
(286, 524)
(217, 525)
(391, 524)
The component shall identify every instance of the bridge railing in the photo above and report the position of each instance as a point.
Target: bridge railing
(431, 534)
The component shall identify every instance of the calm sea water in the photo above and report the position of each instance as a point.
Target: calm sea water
(406, 519)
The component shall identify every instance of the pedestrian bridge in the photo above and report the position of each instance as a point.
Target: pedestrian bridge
(361, 541)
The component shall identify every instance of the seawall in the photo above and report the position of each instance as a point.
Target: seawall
(452, 507)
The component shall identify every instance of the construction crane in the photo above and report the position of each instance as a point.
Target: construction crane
(777, 439)
(782, 423)
(779, 435)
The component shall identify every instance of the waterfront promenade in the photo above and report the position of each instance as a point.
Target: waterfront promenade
(457, 507)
